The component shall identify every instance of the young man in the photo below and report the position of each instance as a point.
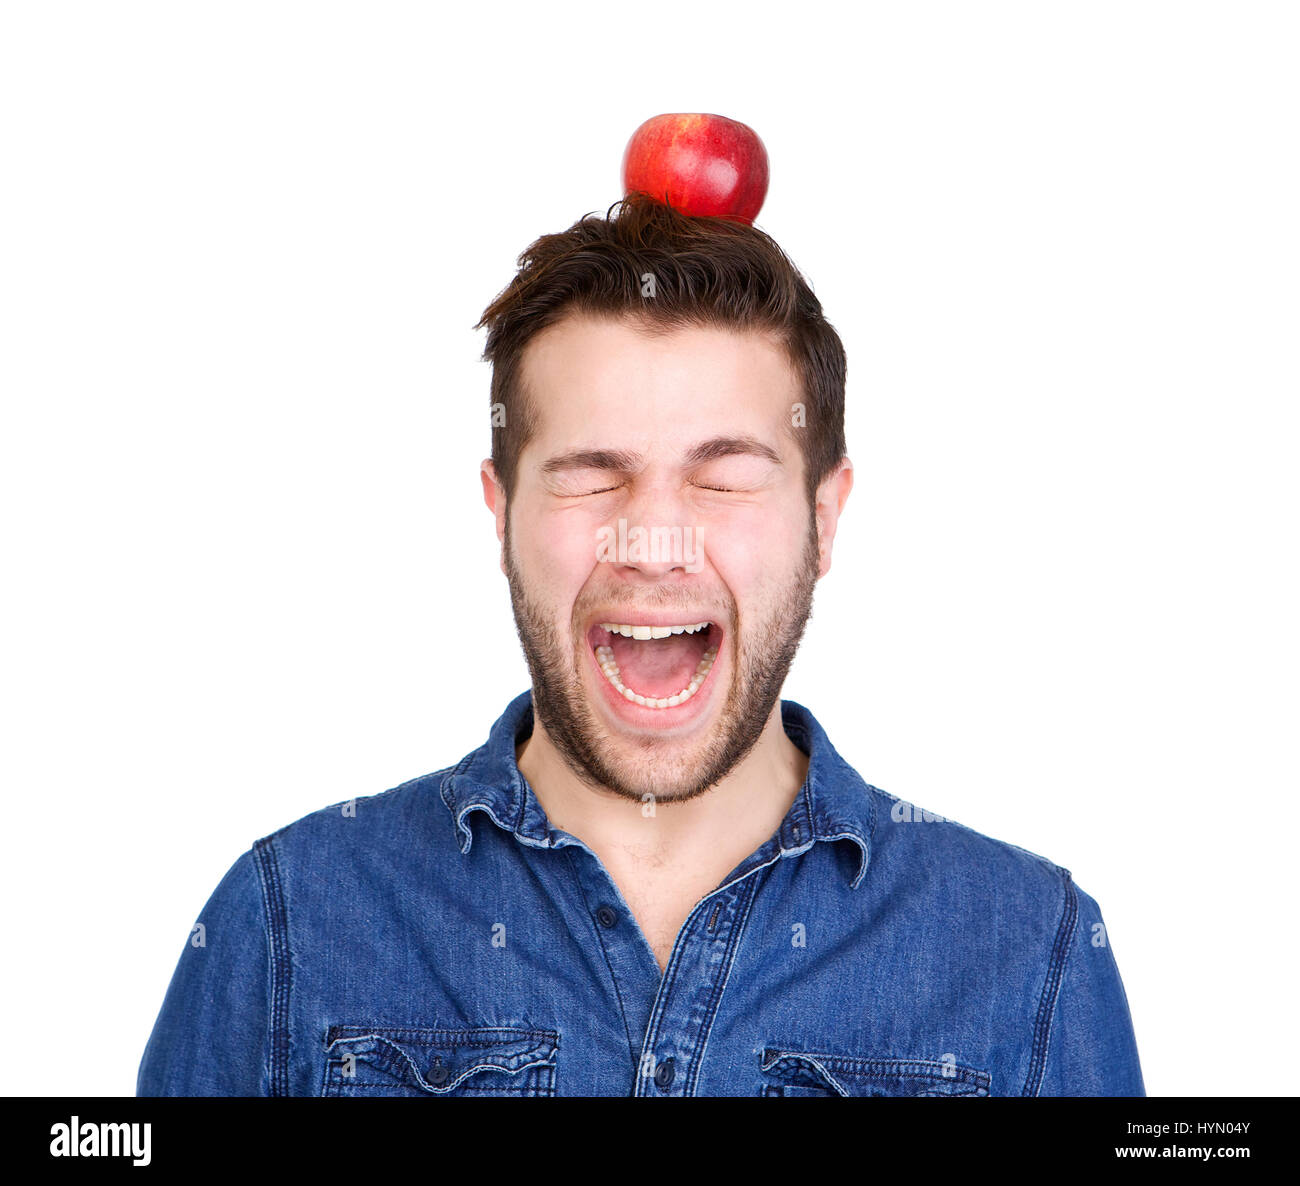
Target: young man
(656, 878)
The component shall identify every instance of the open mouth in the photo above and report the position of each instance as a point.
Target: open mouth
(659, 666)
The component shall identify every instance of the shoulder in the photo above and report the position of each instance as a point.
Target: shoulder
(942, 865)
(409, 817)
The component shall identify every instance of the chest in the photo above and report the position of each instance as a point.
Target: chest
(661, 901)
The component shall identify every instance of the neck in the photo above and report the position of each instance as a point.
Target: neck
(730, 819)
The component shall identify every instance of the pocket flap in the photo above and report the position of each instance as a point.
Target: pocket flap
(438, 1061)
(799, 1072)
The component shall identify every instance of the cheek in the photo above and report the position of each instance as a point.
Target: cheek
(557, 551)
(754, 550)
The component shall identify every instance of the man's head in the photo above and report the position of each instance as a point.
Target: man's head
(668, 450)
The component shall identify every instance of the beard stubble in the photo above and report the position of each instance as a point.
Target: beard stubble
(761, 654)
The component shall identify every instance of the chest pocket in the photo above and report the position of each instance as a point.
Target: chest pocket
(797, 1072)
(383, 1061)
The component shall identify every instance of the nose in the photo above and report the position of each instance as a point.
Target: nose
(658, 538)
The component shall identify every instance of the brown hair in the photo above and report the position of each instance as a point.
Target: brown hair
(707, 271)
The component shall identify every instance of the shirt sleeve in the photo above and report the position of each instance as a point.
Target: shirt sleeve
(211, 1036)
(1091, 1046)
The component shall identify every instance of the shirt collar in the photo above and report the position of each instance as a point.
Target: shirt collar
(834, 802)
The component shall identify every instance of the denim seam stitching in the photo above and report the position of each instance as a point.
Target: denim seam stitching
(1051, 989)
(441, 1037)
(715, 1002)
(882, 1065)
(278, 945)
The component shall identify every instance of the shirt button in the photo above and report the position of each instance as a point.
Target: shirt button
(438, 1075)
(665, 1072)
(607, 916)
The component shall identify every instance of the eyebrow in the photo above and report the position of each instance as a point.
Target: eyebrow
(591, 459)
(623, 462)
(731, 447)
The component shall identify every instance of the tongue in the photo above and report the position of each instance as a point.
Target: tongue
(658, 667)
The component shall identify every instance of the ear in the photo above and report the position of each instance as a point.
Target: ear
(495, 497)
(832, 494)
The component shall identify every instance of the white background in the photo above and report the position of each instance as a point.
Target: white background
(247, 568)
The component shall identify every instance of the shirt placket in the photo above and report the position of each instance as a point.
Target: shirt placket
(668, 1017)
(690, 992)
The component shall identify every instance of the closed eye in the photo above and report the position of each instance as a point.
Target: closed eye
(571, 489)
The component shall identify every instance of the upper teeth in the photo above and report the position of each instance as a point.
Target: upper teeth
(644, 632)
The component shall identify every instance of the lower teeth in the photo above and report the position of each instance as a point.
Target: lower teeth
(605, 656)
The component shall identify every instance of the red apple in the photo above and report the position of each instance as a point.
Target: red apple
(698, 164)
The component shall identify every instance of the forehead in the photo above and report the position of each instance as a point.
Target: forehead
(595, 378)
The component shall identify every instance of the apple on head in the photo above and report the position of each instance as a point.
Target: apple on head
(698, 164)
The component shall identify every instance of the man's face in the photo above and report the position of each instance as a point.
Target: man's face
(663, 489)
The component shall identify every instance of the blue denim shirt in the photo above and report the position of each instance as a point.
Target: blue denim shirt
(443, 939)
